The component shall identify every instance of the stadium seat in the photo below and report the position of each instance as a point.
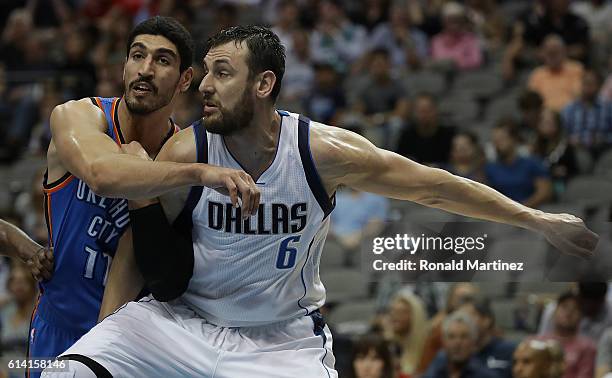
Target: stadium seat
(603, 167)
(588, 190)
(564, 207)
(459, 109)
(357, 311)
(505, 106)
(425, 81)
(333, 255)
(343, 285)
(504, 312)
(478, 84)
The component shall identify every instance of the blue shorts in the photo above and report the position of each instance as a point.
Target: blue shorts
(49, 334)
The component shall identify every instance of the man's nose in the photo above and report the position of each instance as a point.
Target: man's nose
(146, 68)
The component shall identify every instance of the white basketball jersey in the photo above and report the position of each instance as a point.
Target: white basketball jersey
(264, 269)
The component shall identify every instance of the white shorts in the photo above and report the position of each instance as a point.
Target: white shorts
(154, 339)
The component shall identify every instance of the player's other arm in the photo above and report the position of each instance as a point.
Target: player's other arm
(124, 281)
(343, 157)
(160, 253)
(16, 244)
(81, 147)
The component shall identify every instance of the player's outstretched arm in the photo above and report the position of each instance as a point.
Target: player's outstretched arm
(124, 281)
(16, 244)
(343, 157)
(81, 147)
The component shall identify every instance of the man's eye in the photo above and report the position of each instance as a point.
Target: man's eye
(164, 61)
(137, 56)
(222, 74)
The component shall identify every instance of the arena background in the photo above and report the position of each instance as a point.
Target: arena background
(452, 85)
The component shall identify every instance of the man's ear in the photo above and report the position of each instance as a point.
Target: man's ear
(265, 84)
(186, 78)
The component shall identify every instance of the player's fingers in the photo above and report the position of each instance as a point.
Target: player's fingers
(232, 191)
(255, 195)
(245, 195)
(256, 199)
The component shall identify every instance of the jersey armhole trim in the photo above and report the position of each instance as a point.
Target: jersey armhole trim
(57, 184)
(315, 183)
(184, 222)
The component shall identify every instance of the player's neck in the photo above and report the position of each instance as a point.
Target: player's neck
(255, 146)
(149, 130)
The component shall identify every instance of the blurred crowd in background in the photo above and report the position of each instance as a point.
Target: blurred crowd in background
(514, 94)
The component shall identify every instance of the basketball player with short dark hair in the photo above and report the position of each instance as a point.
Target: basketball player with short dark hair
(251, 307)
(89, 174)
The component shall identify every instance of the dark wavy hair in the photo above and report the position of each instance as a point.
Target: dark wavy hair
(265, 50)
(171, 29)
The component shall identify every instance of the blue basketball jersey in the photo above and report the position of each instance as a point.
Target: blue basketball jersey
(84, 229)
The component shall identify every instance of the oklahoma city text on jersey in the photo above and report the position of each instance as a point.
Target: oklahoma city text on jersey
(452, 265)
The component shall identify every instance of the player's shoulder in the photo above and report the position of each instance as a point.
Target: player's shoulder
(181, 147)
(332, 142)
(74, 112)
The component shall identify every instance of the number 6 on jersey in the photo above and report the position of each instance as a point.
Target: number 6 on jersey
(287, 255)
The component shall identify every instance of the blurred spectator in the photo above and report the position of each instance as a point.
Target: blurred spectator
(407, 329)
(299, 72)
(530, 105)
(287, 22)
(597, 14)
(493, 352)
(588, 120)
(488, 22)
(458, 294)
(603, 363)
(558, 80)
(326, 100)
(78, 72)
(426, 139)
(456, 43)
(579, 351)
(596, 311)
(554, 17)
(357, 215)
(17, 29)
(407, 45)
(380, 97)
(459, 336)
(15, 316)
(553, 148)
(538, 359)
(523, 179)
(606, 89)
(30, 207)
(466, 157)
(369, 13)
(336, 40)
(372, 358)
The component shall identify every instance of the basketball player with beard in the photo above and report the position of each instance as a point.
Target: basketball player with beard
(89, 178)
(251, 306)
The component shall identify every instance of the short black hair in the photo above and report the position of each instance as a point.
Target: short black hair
(171, 29)
(566, 296)
(593, 290)
(530, 100)
(265, 50)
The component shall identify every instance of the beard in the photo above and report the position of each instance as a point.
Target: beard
(228, 122)
(147, 104)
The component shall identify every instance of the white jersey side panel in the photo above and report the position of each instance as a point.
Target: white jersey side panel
(263, 269)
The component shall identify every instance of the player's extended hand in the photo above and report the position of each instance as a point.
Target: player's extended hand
(569, 234)
(41, 264)
(238, 185)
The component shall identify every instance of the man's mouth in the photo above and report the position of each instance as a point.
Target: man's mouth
(142, 87)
